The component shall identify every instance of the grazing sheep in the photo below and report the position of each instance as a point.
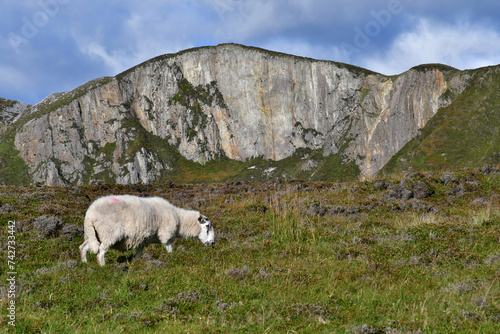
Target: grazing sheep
(129, 222)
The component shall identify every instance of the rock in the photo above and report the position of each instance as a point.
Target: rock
(6, 208)
(70, 264)
(338, 209)
(156, 264)
(448, 178)
(70, 231)
(399, 192)
(317, 210)
(238, 273)
(308, 165)
(421, 190)
(47, 226)
(45, 271)
(366, 329)
(458, 190)
(479, 202)
(487, 170)
(9, 111)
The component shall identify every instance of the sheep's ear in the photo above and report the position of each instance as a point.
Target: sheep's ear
(203, 219)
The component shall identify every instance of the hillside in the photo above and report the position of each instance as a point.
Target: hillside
(412, 255)
(464, 134)
(227, 112)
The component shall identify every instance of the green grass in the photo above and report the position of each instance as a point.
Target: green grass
(280, 264)
(13, 169)
(330, 168)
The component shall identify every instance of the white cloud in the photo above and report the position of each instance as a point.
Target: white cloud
(461, 45)
(146, 32)
(113, 61)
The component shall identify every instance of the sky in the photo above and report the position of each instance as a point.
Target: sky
(49, 46)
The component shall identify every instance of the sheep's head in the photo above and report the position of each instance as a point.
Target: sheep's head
(207, 234)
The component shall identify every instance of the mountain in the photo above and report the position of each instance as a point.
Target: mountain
(228, 111)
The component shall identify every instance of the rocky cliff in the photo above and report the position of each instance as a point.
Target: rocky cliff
(228, 102)
(9, 110)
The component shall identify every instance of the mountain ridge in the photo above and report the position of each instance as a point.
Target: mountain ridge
(229, 103)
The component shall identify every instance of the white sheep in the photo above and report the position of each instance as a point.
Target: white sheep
(129, 222)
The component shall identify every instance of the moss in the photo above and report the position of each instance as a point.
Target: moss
(108, 150)
(193, 98)
(188, 94)
(305, 131)
(364, 92)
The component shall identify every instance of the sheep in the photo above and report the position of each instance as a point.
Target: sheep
(129, 222)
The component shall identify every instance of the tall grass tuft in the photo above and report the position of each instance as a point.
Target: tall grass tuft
(484, 216)
(286, 218)
(417, 220)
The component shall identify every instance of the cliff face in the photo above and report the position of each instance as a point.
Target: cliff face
(9, 111)
(230, 101)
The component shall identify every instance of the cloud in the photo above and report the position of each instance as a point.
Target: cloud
(142, 32)
(462, 45)
(116, 61)
(83, 40)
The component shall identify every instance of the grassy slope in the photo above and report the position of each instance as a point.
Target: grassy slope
(465, 134)
(278, 265)
(331, 168)
(13, 169)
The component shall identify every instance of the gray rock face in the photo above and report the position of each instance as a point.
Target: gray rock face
(229, 101)
(9, 111)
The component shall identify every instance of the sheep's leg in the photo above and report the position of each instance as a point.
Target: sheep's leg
(103, 248)
(138, 253)
(84, 248)
(168, 246)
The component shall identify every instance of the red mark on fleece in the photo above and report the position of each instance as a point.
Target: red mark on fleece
(115, 199)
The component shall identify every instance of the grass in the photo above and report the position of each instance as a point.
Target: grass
(290, 256)
(286, 220)
(13, 169)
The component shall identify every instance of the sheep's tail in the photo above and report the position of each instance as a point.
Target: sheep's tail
(91, 236)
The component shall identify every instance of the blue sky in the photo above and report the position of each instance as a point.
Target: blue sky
(49, 46)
